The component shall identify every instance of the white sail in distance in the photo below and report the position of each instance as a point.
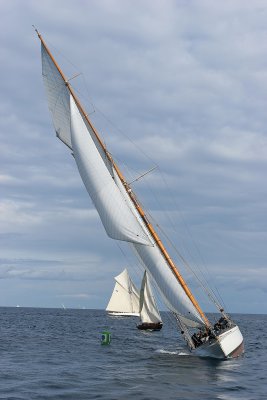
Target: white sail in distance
(109, 193)
(125, 296)
(149, 312)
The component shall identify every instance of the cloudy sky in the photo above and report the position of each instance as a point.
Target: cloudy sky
(180, 85)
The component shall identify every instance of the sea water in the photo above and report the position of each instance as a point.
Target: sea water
(57, 354)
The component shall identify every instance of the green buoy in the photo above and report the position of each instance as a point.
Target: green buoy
(106, 337)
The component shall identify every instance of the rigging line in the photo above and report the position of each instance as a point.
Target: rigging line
(159, 300)
(151, 219)
(185, 331)
(115, 126)
(74, 76)
(139, 272)
(204, 285)
(83, 96)
(209, 291)
(204, 282)
(168, 217)
(129, 262)
(132, 172)
(130, 291)
(186, 247)
(115, 158)
(161, 207)
(77, 74)
(141, 176)
(59, 52)
(206, 274)
(209, 276)
(182, 258)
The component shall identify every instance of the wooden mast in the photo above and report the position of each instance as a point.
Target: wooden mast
(130, 192)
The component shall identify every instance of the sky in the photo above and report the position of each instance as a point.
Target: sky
(176, 85)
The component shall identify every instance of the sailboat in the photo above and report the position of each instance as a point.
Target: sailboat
(124, 219)
(124, 300)
(149, 313)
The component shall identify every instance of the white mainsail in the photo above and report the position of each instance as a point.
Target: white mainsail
(149, 312)
(125, 296)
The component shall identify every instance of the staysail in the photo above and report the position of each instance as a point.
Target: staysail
(125, 295)
(149, 312)
(117, 206)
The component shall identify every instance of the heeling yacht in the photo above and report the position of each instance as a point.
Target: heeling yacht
(124, 218)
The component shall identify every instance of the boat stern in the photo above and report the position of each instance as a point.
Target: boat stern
(231, 342)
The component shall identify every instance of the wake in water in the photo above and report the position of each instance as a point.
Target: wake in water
(177, 352)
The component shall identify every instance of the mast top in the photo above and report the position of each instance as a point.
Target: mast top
(36, 30)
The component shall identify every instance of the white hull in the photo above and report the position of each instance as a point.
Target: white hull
(228, 344)
(122, 314)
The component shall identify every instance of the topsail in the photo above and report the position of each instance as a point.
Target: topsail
(58, 97)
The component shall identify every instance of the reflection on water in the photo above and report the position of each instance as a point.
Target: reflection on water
(218, 379)
(176, 365)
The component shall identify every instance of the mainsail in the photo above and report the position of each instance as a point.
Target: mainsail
(125, 296)
(119, 210)
(149, 312)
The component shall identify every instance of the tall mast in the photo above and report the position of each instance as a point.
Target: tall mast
(130, 192)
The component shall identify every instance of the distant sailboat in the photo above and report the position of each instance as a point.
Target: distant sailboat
(124, 218)
(149, 313)
(124, 300)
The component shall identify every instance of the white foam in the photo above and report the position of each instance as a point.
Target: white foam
(162, 351)
(178, 352)
(184, 354)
